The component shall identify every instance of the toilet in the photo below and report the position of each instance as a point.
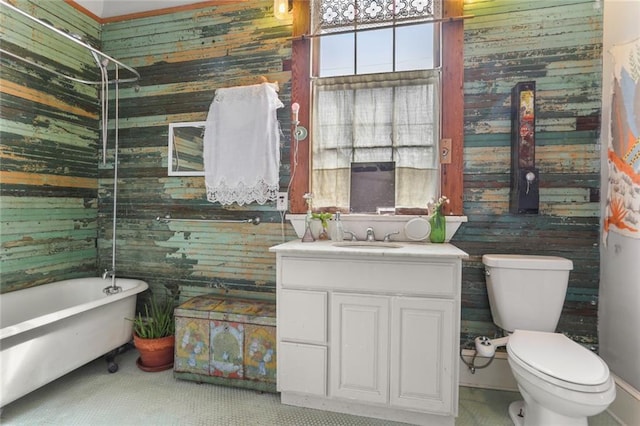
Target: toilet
(561, 381)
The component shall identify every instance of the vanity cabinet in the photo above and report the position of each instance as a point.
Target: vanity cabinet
(370, 331)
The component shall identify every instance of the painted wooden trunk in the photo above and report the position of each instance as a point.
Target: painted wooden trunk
(226, 341)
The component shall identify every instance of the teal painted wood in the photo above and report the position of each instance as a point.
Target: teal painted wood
(48, 47)
(48, 138)
(44, 237)
(183, 57)
(559, 45)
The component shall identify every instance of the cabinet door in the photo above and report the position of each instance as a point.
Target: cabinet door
(359, 347)
(422, 358)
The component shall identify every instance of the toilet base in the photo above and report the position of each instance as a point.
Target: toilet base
(543, 417)
(516, 412)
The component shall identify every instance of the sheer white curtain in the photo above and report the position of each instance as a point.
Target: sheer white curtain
(376, 117)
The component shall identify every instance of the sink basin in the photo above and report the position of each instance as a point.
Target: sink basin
(367, 245)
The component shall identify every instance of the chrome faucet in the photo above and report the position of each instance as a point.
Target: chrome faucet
(370, 235)
(353, 235)
(387, 237)
(113, 288)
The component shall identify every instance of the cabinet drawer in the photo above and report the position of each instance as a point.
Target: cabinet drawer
(302, 316)
(302, 369)
(404, 277)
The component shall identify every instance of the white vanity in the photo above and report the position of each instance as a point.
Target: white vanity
(370, 329)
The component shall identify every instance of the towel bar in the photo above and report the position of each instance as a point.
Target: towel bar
(168, 218)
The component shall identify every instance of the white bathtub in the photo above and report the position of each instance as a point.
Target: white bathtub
(52, 329)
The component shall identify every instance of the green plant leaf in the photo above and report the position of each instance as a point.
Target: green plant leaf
(158, 320)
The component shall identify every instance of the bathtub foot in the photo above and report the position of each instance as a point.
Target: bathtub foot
(112, 365)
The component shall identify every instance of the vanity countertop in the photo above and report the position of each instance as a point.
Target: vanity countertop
(359, 248)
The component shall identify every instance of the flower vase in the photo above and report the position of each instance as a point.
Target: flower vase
(324, 234)
(438, 227)
(308, 235)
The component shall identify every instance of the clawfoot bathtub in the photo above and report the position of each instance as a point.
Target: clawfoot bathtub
(49, 330)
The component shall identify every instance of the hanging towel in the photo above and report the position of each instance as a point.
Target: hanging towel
(242, 145)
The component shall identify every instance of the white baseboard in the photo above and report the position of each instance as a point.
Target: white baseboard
(625, 409)
(496, 375)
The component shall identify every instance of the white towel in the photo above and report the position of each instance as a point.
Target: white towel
(242, 145)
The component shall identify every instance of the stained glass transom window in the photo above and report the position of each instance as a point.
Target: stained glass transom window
(335, 15)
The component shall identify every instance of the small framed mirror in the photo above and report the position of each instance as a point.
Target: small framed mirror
(186, 149)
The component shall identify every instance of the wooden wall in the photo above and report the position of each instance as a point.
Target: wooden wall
(51, 173)
(183, 57)
(48, 136)
(557, 44)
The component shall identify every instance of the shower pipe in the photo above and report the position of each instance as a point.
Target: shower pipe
(168, 218)
(76, 39)
(102, 61)
(114, 287)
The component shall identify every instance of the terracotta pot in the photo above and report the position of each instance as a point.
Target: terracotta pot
(155, 354)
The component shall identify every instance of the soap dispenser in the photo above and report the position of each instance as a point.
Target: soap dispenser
(339, 230)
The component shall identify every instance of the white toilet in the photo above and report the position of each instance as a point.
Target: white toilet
(561, 381)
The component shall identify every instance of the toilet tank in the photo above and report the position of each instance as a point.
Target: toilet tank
(526, 292)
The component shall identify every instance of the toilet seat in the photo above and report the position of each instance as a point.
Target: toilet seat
(555, 358)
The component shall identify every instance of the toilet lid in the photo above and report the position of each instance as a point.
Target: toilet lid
(557, 356)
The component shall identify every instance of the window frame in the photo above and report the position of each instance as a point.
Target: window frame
(452, 112)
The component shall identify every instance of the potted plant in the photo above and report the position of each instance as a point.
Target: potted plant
(323, 217)
(153, 335)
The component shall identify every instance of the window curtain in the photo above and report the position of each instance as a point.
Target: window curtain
(376, 117)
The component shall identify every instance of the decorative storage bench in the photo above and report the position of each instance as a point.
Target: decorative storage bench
(226, 341)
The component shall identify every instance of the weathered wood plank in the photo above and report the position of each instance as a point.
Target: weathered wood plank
(558, 44)
(48, 137)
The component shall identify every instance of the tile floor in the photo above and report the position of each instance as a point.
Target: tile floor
(91, 396)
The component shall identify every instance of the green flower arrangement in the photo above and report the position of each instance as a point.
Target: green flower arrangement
(323, 217)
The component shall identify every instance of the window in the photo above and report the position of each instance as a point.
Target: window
(375, 99)
(372, 36)
(392, 117)
(450, 117)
